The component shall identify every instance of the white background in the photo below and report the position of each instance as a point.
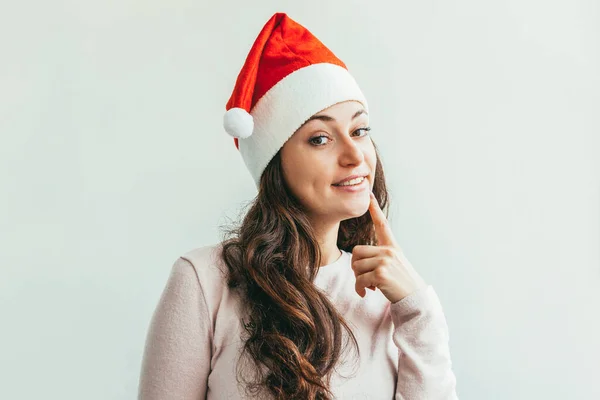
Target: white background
(113, 162)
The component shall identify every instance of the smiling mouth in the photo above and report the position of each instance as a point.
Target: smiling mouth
(352, 182)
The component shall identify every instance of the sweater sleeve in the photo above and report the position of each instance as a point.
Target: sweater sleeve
(177, 353)
(421, 335)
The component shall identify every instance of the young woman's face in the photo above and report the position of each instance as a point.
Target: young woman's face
(327, 149)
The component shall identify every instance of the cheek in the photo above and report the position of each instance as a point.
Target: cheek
(371, 160)
(303, 176)
(370, 155)
(310, 171)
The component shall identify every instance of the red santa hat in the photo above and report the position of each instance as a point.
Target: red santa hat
(288, 76)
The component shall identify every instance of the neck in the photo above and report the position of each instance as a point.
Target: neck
(327, 238)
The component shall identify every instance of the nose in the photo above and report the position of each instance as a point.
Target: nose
(350, 152)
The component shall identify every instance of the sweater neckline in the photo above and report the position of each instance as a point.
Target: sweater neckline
(336, 266)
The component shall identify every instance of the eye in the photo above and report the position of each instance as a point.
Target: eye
(312, 140)
(366, 129)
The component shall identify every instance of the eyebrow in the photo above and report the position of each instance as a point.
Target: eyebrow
(328, 118)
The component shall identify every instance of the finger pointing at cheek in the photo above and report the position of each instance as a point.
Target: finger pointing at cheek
(384, 266)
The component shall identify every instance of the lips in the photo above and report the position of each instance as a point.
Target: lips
(353, 188)
(350, 178)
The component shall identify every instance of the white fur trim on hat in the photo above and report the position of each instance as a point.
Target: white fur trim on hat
(287, 106)
(238, 123)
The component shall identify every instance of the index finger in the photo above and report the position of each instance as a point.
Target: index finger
(383, 230)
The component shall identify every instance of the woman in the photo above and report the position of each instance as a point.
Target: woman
(280, 310)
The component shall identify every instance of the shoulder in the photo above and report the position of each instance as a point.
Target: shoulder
(204, 265)
(205, 260)
(222, 305)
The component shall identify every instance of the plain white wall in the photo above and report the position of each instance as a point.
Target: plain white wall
(114, 162)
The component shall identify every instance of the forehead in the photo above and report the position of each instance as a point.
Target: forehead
(345, 109)
(341, 112)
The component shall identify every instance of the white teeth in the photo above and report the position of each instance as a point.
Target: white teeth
(352, 182)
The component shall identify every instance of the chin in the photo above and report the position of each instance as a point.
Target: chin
(350, 216)
(356, 210)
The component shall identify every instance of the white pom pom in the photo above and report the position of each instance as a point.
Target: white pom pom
(238, 123)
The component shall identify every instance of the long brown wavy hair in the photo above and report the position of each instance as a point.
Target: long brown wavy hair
(294, 332)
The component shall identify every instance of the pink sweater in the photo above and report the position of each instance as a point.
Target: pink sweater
(193, 340)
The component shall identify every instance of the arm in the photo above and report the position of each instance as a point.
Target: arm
(421, 335)
(177, 354)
